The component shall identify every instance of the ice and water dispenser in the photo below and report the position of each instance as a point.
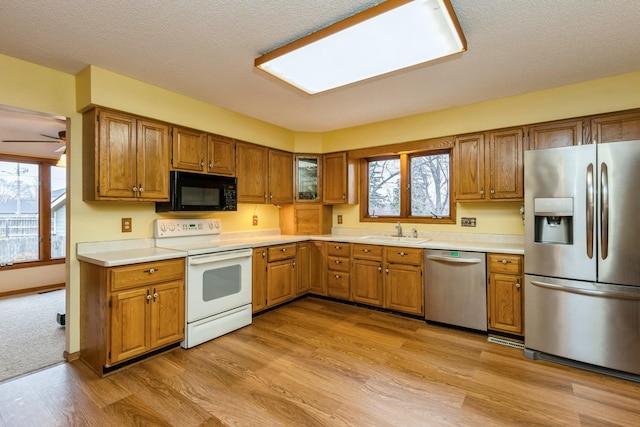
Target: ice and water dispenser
(553, 220)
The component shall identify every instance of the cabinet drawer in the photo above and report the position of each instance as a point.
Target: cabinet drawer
(276, 253)
(338, 285)
(371, 252)
(338, 264)
(339, 249)
(411, 256)
(131, 276)
(503, 263)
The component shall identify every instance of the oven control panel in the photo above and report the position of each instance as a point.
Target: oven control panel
(187, 227)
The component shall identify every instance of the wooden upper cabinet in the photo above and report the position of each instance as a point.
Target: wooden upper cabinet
(616, 127)
(221, 155)
(506, 171)
(470, 167)
(125, 157)
(252, 168)
(308, 178)
(280, 177)
(489, 166)
(564, 133)
(188, 150)
(339, 179)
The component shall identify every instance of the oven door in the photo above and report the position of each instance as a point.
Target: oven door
(217, 282)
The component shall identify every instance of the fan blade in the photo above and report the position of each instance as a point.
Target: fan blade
(62, 135)
(24, 140)
(61, 149)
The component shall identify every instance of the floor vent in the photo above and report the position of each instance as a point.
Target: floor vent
(506, 342)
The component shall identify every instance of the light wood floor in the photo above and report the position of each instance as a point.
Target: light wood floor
(315, 362)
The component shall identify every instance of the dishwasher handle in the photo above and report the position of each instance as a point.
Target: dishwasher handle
(454, 260)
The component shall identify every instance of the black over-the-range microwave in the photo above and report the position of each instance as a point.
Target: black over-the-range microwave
(200, 192)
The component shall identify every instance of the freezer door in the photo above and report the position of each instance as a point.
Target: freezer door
(560, 186)
(589, 322)
(619, 213)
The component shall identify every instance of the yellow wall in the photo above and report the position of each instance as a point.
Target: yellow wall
(33, 87)
(38, 88)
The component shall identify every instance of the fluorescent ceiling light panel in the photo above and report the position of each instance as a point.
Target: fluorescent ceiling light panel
(391, 36)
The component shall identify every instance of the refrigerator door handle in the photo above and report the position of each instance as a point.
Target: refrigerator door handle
(589, 292)
(604, 211)
(590, 210)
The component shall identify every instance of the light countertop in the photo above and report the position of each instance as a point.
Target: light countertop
(123, 252)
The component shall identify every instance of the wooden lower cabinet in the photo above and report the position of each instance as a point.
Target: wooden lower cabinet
(404, 283)
(130, 310)
(505, 293)
(338, 268)
(367, 274)
(317, 268)
(274, 275)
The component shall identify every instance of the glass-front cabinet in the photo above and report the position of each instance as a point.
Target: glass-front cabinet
(308, 183)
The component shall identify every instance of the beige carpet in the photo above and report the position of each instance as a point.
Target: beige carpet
(30, 337)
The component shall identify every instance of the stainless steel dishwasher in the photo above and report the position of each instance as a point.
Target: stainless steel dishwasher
(456, 288)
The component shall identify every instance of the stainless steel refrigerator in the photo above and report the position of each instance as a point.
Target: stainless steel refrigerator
(582, 254)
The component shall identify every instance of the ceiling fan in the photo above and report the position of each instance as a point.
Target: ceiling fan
(61, 138)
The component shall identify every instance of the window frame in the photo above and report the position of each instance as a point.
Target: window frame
(405, 190)
(44, 214)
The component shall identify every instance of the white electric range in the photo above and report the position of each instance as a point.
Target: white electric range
(218, 277)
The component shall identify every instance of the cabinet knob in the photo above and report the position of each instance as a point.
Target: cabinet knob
(270, 196)
(366, 251)
(135, 189)
(344, 196)
(155, 295)
(386, 270)
(293, 264)
(482, 192)
(338, 247)
(402, 253)
(264, 254)
(140, 189)
(283, 250)
(492, 191)
(504, 261)
(210, 165)
(148, 297)
(151, 270)
(337, 276)
(380, 268)
(201, 163)
(518, 286)
(337, 262)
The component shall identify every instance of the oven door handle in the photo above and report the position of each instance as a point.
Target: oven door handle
(221, 256)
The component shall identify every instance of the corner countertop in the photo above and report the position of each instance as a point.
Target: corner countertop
(123, 252)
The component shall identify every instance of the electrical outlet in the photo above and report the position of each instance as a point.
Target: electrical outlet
(126, 225)
(255, 220)
(468, 222)
(339, 219)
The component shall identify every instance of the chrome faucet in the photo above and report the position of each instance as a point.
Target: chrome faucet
(399, 227)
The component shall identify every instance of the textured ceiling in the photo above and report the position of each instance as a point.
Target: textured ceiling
(205, 49)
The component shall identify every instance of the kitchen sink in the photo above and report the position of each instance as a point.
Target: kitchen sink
(395, 239)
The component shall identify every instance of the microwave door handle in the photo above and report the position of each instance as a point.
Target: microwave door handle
(590, 210)
(604, 210)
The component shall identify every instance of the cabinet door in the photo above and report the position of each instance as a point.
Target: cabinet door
(556, 134)
(280, 177)
(339, 179)
(338, 284)
(188, 150)
(221, 155)
(153, 161)
(308, 178)
(280, 281)
(303, 263)
(505, 164)
(470, 163)
(366, 282)
(616, 127)
(129, 324)
(259, 282)
(318, 268)
(252, 170)
(167, 313)
(505, 303)
(404, 288)
(117, 155)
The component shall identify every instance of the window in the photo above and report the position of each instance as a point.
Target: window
(32, 211)
(412, 187)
